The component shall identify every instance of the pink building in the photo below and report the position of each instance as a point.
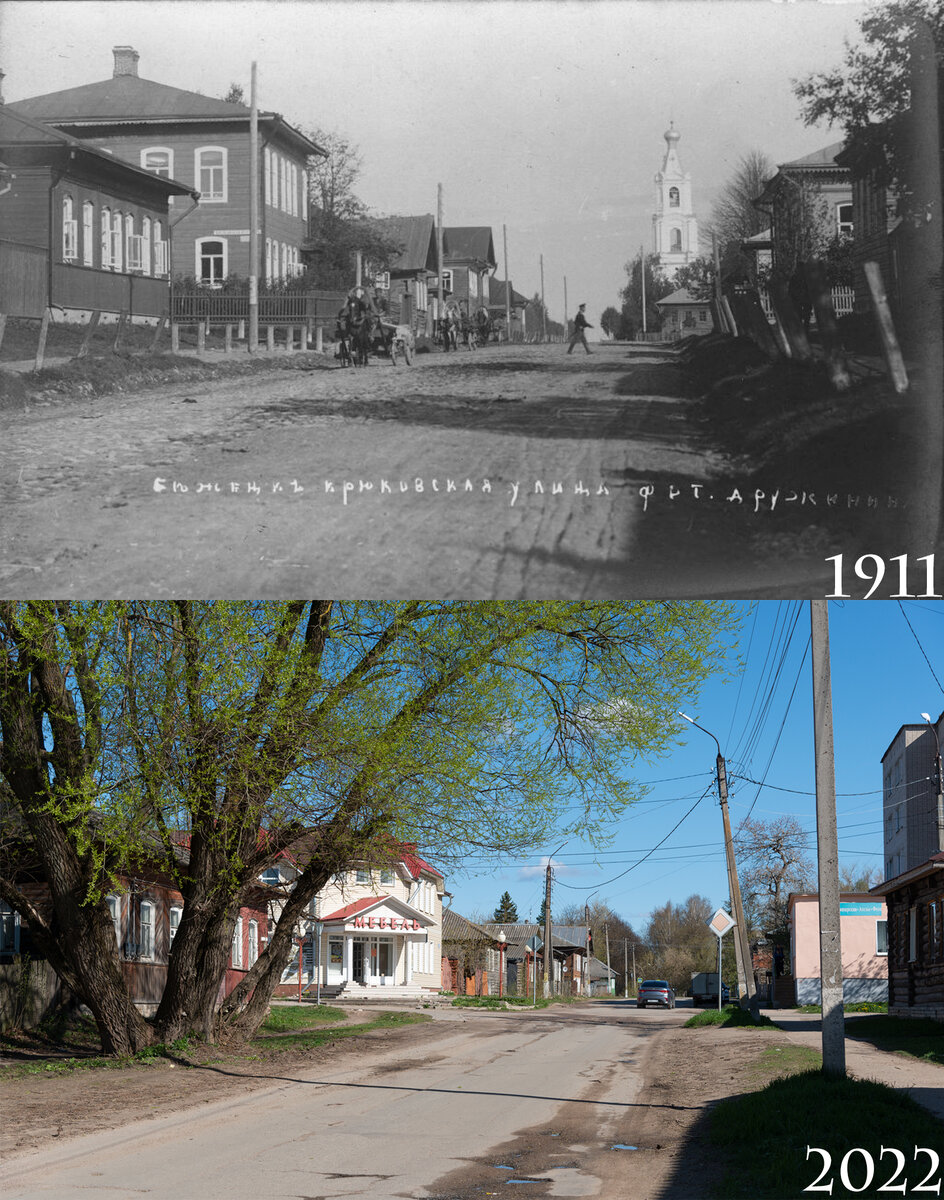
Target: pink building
(863, 932)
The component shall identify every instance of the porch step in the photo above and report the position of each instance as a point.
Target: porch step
(360, 993)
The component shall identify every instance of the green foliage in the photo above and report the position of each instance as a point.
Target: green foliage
(697, 277)
(912, 1036)
(308, 1039)
(730, 1014)
(507, 911)
(283, 1017)
(657, 286)
(808, 1109)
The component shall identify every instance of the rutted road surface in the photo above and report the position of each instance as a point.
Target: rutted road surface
(511, 472)
(556, 1097)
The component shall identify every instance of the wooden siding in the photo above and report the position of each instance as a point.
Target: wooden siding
(85, 288)
(25, 207)
(209, 217)
(918, 984)
(24, 279)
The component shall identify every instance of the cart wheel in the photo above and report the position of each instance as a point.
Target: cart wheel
(393, 351)
(408, 352)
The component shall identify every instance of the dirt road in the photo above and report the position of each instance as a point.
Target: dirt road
(511, 472)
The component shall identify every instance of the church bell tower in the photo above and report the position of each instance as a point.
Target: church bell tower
(674, 224)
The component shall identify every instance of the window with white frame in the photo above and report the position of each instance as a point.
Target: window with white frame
(473, 284)
(70, 233)
(252, 949)
(174, 913)
(382, 281)
(362, 875)
(117, 238)
(146, 245)
(210, 174)
(422, 295)
(283, 184)
(294, 190)
(159, 160)
(304, 195)
(237, 953)
(271, 877)
(267, 174)
(132, 253)
(387, 876)
(9, 930)
(114, 909)
(881, 937)
(268, 260)
(160, 250)
(88, 234)
(146, 913)
(844, 226)
(106, 237)
(211, 256)
(446, 281)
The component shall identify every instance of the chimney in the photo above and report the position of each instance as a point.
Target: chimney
(126, 61)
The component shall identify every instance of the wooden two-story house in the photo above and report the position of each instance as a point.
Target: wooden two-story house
(203, 143)
(404, 287)
(468, 261)
(82, 230)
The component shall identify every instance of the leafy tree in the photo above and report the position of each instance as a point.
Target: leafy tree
(734, 217)
(130, 729)
(773, 861)
(338, 223)
(235, 94)
(657, 286)
(698, 278)
(507, 910)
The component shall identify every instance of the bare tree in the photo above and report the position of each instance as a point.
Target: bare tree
(773, 860)
(734, 217)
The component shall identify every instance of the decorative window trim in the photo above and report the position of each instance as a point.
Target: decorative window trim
(117, 241)
(88, 234)
(105, 242)
(165, 173)
(198, 253)
(174, 913)
(146, 245)
(881, 935)
(252, 948)
(70, 230)
(211, 197)
(236, 954)
(114, 907)
(147, 944)
(160, 250)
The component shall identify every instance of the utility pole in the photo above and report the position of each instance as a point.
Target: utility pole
(253, 214)
(827, 847)
(543, 309)
(937, 784)
(547, 930)
(586, 968)
(507, 287)
(642, 280)
(606, 934)
(742, 946)
(634, 968)
(625, 973)
(566, 328)
(439, 251)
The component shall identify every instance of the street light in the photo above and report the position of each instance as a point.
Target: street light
(501, 962)
(742, 946)
(938, 784)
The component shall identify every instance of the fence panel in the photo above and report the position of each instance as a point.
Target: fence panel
(23, 279)
(283, 308)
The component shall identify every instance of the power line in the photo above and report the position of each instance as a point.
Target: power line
(920, 647)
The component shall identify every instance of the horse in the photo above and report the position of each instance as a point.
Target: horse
(448, 329)
(356, 330)
(483, 326)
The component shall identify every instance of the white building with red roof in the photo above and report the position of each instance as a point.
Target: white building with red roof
(374, 932)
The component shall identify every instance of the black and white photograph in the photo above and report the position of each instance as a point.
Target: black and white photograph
(306, 294)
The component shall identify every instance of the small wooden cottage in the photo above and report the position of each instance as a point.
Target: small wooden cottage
(915, 901)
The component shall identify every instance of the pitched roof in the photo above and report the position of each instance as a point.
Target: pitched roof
(457, 928)
(496, 293)
(416, 236)
(469, 242)
(819, 158)
(416, 865)
(682, 296)
(19, 132)
(128, 99)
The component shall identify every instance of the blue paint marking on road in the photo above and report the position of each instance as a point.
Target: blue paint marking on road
(620, 1146)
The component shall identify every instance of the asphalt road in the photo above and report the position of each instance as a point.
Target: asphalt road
(489, 1097)
(503, 474)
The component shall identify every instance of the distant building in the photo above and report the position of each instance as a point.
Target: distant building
(863, 933)
(909, 798)
(468, 261)
(674, 224)
(683, 316)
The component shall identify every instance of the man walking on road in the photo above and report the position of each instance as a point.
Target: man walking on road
(580, 324)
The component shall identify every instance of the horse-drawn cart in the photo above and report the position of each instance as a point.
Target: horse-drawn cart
(396, 341)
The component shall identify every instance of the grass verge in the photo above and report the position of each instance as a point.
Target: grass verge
(283, 1018)
(764, 1138)
(305, 1039)
(731, 1014)
(915, 1037)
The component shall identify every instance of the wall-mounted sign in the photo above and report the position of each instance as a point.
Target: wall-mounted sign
(860, 908)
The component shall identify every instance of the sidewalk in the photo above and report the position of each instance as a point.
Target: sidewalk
(922, 1081)
(24, 365)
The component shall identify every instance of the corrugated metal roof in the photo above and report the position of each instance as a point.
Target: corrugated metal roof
(457, 928)
(473, 242)
(417, 236)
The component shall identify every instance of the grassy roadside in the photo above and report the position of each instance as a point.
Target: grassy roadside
(916, 1038)
(284, 1030)
(764, 1137)
(731, 1014)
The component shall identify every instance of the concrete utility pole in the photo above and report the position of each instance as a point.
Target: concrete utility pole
(642, 280)
(566, 327)
(742, 946)
(606, 935)
(827, 847)
(548, 958)
(625, 973)
(253, 214)
(586, 968)
(439, 251)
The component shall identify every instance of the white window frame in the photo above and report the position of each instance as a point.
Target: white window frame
(267, 173)
(146, 245)
(881, 927)
(382, 281)
(70, 230)
(304, 197)
(387, 876)
(446, 281)
(252, 949)
(236, 953)
(174, 914)
(117, 241)
(114, 907)
(105, 240)
(268, 260)
(844, 228)
(198, 260)
(362, 875)
(277, 882)
(88, 234)
(473, 284)
(160, 250)
(129, 236)
(147, 923)
(164, 173)
(209, 196)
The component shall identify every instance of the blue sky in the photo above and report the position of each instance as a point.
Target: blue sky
(763, 720)
(547, 118)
